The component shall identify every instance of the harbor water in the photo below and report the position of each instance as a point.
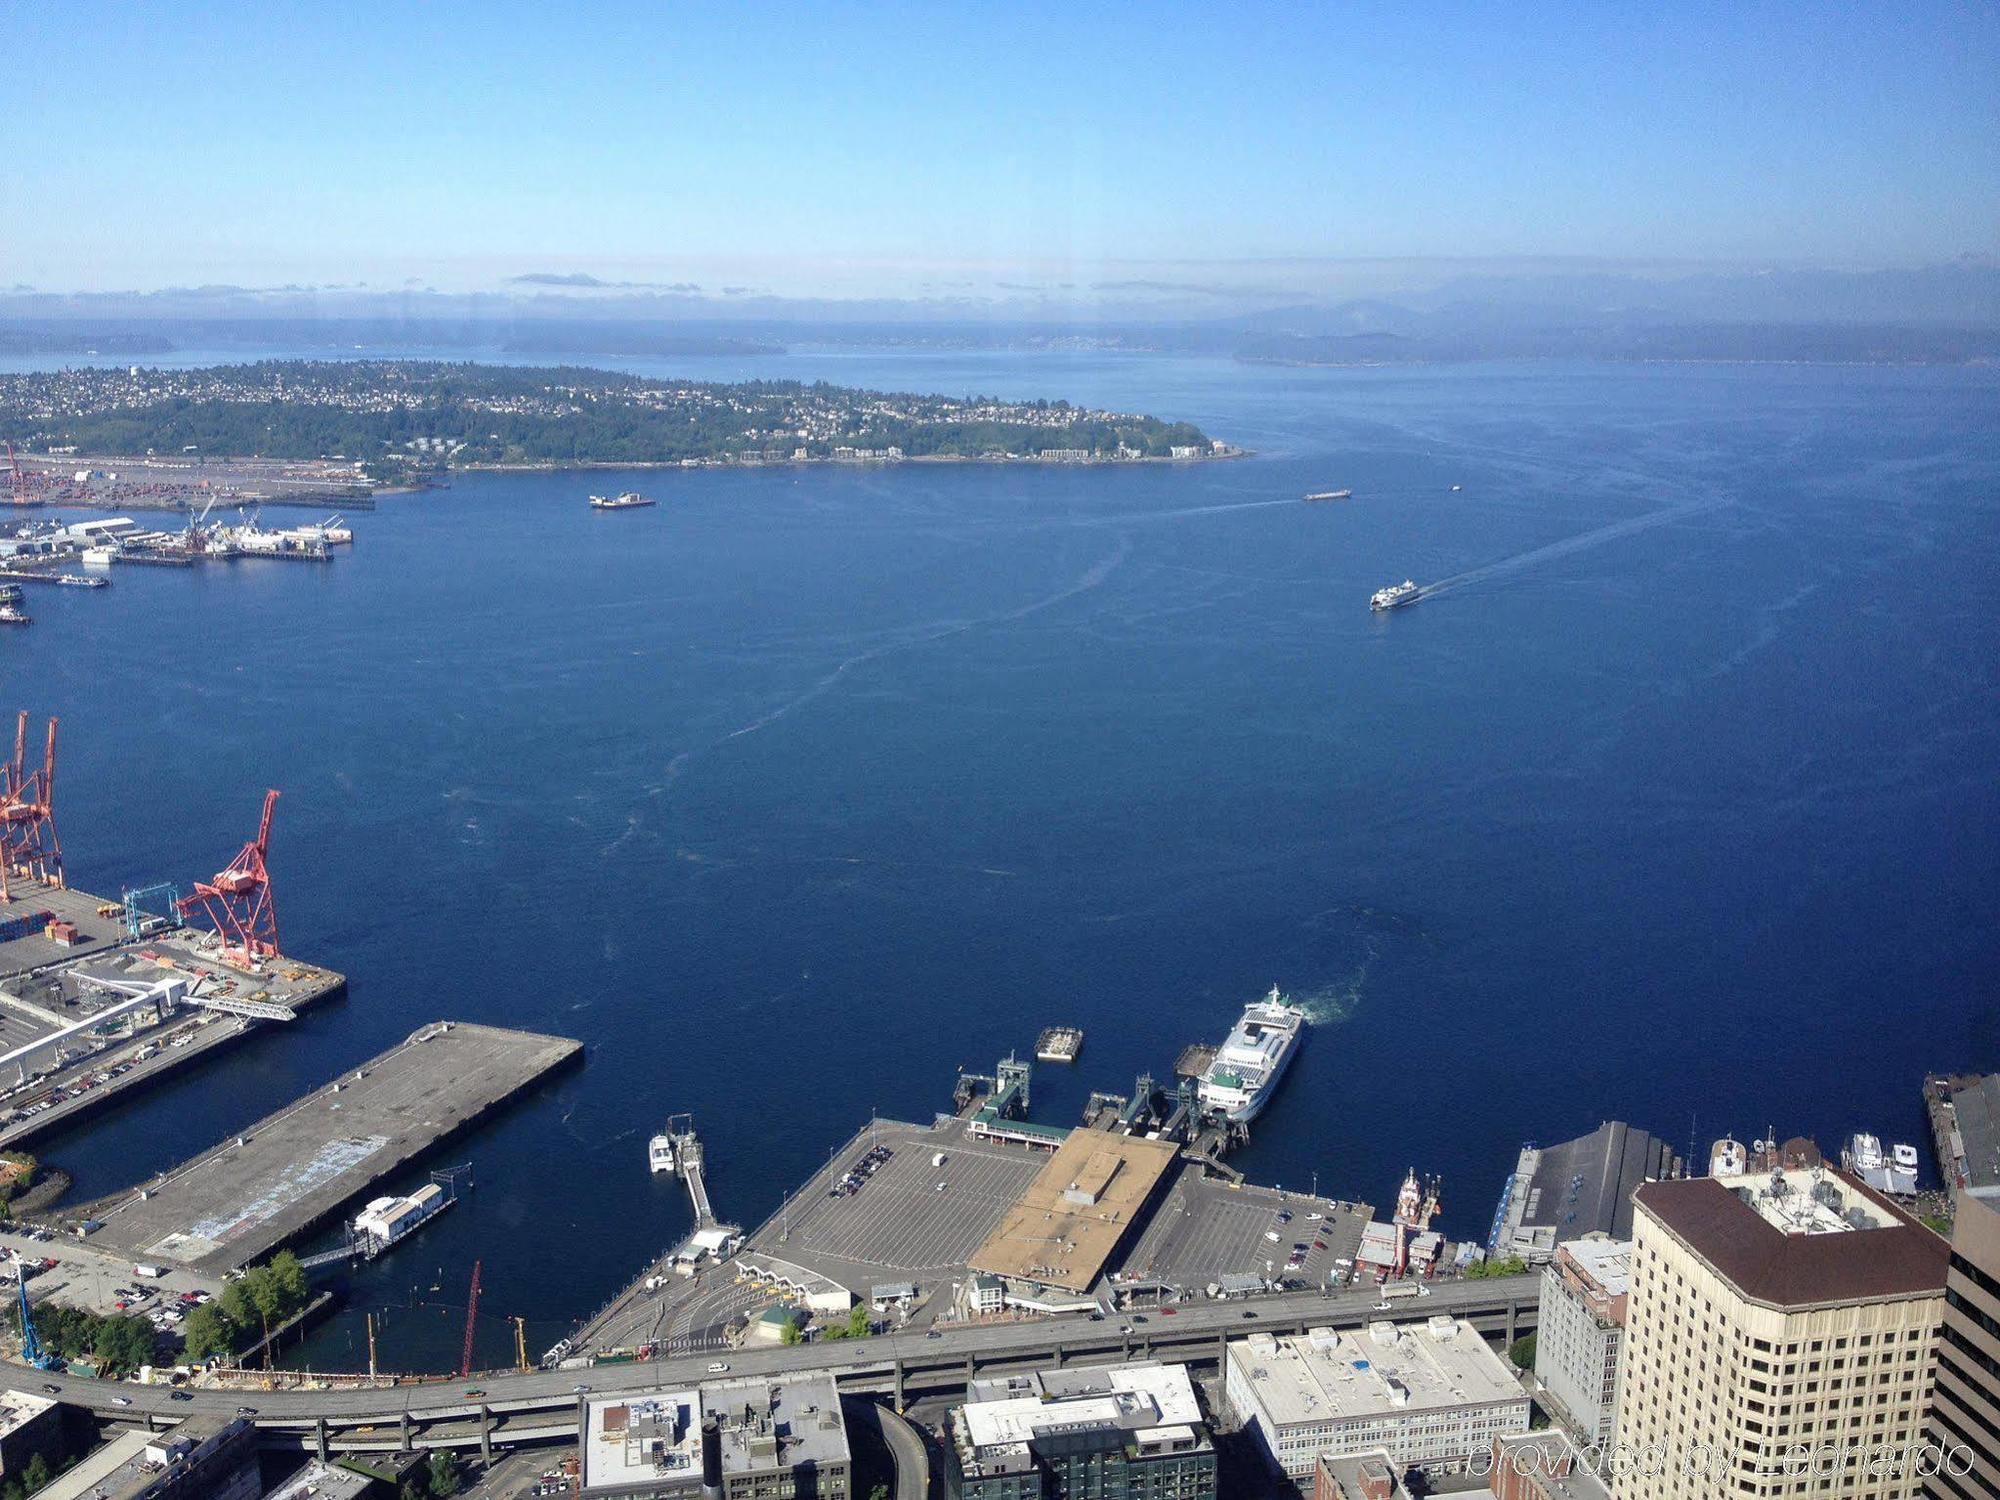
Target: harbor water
(800, 790)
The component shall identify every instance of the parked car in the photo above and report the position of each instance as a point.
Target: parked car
(718, 1367)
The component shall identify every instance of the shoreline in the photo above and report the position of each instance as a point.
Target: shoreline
(568, 466)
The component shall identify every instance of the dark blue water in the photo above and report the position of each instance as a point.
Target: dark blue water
(796, 793)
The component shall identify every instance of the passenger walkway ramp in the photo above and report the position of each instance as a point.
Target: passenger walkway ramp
(258, 1010)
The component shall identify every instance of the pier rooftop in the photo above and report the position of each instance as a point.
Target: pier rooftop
(1083, 1203)
(242, 1199)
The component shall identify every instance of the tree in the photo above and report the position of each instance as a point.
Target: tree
(1522, 1352)
(288, 1280)
(857, 1321)
(443, 1474)
(36, 1474)
(237, 1306)
(207, 1334)
(791, 1334)
(410, 1491)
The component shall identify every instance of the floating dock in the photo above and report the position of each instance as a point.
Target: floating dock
(1059, 1044)
(242, 1199)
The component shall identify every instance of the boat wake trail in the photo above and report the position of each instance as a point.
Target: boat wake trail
(1564, 548)
(943, 630)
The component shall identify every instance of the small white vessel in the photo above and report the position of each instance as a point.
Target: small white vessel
(660, 1154)
(1395, 596)
(630, 500)
(386, 1220)
(1892, 1173)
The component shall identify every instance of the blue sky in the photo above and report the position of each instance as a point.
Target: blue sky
(851, 150)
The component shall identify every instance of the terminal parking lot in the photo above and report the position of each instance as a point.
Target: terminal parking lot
(898, 1226)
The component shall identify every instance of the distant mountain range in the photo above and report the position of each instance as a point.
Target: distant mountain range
(1937, 313)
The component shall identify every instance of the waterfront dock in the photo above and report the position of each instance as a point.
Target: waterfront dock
(75, 1034)
(258, 1190)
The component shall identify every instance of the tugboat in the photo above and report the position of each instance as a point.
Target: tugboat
(11, 612)
(1395, 596)
(630, 500)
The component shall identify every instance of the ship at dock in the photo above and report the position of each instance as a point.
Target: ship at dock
(1238, 1084)
(11, 610)
(385, 1221)
(1395, 596)
(1893, 1172)
(1330, 495)
(630, 500)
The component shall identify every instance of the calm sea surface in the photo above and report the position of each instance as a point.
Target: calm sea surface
(798, 792)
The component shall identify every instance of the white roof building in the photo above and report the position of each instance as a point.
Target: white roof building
(1431, 1395)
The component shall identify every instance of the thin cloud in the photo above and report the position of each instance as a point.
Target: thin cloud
(584, 281)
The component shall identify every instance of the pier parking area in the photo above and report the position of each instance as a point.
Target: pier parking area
(899, 1226)
(244, 1198)
(1206, 1228)
(93, 1278)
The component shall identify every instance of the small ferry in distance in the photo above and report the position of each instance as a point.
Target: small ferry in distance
(11, 612)
(1331, 495)
(630, 500)
(1245, 1073)
(1394, 596)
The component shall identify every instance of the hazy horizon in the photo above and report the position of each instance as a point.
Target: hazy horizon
(1122, 155)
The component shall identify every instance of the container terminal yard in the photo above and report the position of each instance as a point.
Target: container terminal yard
(100, 996)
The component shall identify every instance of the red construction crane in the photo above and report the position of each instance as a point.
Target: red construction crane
(471, 1312)
(29, 847)
(238, 901)
(19, 481)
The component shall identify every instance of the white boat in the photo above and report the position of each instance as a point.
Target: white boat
(630, 500)
(1903, 1169)
(1395, 595)
(386, 1220)
(1247, 1067)
(1895, 1175)
(660, 1154)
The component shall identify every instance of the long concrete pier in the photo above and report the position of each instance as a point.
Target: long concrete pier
(243, 1198)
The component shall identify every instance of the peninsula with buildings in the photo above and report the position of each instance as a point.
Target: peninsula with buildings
(393, 420)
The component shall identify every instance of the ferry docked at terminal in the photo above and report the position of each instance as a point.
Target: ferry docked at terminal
(1239, 1083)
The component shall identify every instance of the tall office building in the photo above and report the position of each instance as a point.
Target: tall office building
(1780, 1339)
(1965, 1410)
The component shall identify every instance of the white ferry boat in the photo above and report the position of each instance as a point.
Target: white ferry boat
(630, 500)
(1331, 495)
(1395, 595)
(1247, 1067)
(660, 1154)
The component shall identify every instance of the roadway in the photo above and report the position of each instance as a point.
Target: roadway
(514, 1408)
